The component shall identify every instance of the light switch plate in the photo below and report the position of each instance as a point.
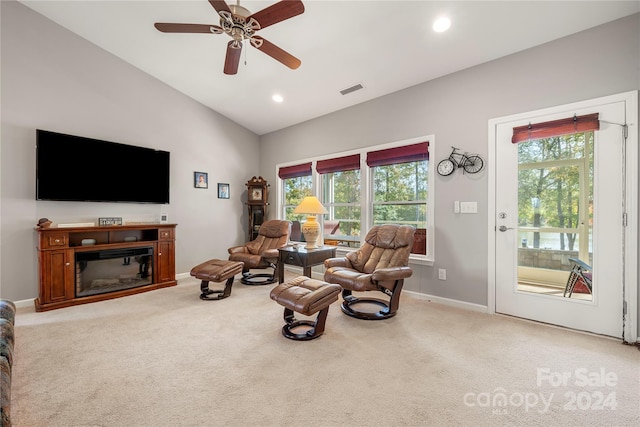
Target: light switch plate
(468, 207)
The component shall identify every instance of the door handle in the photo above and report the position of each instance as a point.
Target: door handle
(504, 228)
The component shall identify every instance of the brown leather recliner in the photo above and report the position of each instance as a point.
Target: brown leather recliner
(380, 264)
(262, 252)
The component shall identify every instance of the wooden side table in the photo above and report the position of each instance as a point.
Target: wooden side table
(302, 257)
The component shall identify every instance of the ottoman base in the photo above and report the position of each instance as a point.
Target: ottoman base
(314, 330)
(205, 291)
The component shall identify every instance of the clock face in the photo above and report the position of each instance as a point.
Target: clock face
(256, 194)
(445, 167)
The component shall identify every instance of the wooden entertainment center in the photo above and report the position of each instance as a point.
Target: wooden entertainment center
(60, 267)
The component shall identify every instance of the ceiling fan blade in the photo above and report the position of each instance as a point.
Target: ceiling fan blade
(231, 61)
(277, 12)
(220, 5)
(275, 52)
(167, 27)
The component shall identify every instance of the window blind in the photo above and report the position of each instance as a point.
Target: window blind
(295, 171)
(575, 124)
(339, 164)
(404, 154)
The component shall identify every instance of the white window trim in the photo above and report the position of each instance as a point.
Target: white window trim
(366, 190)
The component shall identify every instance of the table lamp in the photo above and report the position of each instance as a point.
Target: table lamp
(311, 207)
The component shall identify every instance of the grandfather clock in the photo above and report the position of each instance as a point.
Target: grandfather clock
(257, 196)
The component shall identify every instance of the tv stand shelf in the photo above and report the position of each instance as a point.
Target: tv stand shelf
(57, 248)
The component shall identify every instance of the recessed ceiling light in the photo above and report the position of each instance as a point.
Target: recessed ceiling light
(277, 98)
(441, 25)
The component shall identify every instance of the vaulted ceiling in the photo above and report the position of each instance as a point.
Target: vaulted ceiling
(384, 46)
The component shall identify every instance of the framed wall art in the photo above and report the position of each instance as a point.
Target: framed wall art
(201, 180)
(223, 191)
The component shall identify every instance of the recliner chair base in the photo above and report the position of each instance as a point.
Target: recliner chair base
(258, 279)
(350, 301)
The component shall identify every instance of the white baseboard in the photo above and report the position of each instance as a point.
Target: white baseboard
(449, 302)
(25, 303)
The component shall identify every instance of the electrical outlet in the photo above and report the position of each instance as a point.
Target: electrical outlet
(442, 274)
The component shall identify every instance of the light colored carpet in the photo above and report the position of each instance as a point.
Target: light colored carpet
(166, 358)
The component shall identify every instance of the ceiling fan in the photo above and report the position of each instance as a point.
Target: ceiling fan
(240, 25)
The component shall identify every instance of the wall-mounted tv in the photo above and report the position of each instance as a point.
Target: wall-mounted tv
(74, 168)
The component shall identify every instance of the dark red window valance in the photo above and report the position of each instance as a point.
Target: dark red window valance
(339, 164)
(575, 124)
(295, 171)
(404, 154)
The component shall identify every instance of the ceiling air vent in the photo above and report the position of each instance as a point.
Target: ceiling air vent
(351, 89)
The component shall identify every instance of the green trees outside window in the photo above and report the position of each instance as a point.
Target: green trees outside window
(555, 193)
(296, 189)
(400, 194)
(341, 197)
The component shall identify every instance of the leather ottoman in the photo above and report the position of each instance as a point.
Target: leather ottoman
(216, 270)
(307, 297)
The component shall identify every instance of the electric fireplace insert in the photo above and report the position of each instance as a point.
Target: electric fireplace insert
(101, 272)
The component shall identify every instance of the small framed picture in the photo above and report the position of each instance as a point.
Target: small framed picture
(223, 191)
(200, 180)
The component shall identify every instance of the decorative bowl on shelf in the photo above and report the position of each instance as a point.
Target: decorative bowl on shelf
(44, 223)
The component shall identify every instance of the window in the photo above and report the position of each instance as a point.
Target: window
(297, 183)
(341, 196)
(399, 178)
(400, 194)
(555, 197)
(373, 186)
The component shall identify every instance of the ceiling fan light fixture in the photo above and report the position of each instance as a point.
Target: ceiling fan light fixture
(237, 33)
(441, 24)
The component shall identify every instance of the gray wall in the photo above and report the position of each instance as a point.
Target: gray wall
(55, 80)
(456, 108)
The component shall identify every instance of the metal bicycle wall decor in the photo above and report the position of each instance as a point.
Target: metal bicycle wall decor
(470, 163)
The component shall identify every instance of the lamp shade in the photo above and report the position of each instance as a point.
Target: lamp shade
(311, 206)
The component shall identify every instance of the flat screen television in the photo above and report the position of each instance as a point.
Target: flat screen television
(74, 168)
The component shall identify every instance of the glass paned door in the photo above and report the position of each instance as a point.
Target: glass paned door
(558, 200)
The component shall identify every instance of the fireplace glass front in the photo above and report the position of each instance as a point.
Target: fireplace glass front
(100, 272)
